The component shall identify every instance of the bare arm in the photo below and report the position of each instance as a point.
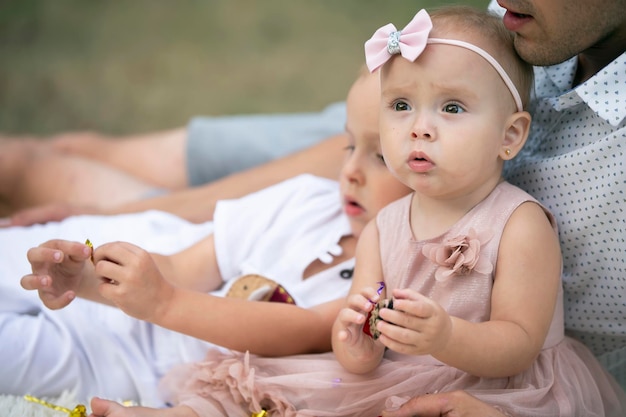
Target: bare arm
(198, 204)
(355, 350)
(194, 268)
(263, 328)
(163, 291)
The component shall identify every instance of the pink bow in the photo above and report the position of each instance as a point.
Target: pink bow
(409, 42)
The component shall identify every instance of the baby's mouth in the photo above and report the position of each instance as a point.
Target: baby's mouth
(354, 204)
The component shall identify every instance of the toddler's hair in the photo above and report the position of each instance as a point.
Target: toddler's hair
(498, 40)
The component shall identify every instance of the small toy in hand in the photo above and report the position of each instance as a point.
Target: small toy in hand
(373, 318)
(369, 328)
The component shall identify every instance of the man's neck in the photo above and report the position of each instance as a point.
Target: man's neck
(600, 55)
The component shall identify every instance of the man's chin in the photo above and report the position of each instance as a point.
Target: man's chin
(536, 54)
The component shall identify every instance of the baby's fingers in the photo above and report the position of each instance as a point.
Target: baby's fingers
(363, 302)
(54, 302)
(43, 284)
(350, 317)
(413, 303)
(353, 317)
(55, 251)
(36, 282)
(350, 323)
(44, 255)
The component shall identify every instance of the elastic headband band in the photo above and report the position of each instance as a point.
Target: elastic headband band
(411, 42)
(490, 59)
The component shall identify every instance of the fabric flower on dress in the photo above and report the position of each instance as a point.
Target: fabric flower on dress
(460, 255)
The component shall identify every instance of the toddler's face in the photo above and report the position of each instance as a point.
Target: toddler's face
(366, 183)
(443, 119)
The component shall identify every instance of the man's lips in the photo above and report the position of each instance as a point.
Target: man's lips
(513, 20)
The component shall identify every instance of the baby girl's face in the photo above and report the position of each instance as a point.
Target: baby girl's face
(443, 119)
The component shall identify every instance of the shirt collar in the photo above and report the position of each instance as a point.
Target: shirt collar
(604, 93)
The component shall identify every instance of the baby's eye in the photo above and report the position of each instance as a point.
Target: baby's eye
(380, 157)
(400, 106)
(453, 108)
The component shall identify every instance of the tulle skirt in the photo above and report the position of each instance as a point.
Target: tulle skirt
(565, 380)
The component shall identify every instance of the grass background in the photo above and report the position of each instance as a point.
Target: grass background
(134, 66)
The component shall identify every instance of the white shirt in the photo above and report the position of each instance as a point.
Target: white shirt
(574, 162)
(286, 228)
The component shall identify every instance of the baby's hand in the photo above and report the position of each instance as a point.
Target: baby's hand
(355, 350)
(352, 318)
(417, 325)
(131, 280)
(58, 268)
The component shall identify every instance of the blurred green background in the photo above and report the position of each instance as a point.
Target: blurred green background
(134, 66)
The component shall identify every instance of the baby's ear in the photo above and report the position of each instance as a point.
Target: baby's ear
(515, 134)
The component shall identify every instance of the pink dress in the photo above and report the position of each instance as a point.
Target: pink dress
(565, 380)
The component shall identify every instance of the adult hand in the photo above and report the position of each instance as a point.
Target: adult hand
(59, 269)
(132, 281)
(448, 404)
(46, 213)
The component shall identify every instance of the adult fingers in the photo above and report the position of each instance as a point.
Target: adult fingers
(46, 213)
(449, 404)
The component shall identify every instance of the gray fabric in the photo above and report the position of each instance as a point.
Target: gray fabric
(218, 146)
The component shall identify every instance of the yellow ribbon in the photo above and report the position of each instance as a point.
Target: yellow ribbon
(81, 411)
(78, 411)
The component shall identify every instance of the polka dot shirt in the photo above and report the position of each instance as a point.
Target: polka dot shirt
(575, 163)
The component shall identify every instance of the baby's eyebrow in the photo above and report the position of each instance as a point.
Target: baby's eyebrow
(452, 88)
